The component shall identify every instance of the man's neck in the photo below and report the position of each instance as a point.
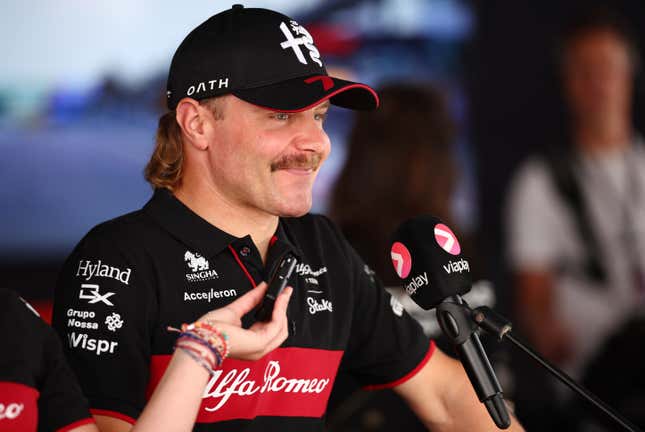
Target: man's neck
(237, 221)
(598, 138)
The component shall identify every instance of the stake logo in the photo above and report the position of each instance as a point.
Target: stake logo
(315, 306)
(401, 259)
(446, 239)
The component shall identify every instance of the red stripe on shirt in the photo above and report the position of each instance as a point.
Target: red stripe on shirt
(76, 424)
(246, 272)
(409, 375)
(19, 406)
(115, 414)
(288, 382)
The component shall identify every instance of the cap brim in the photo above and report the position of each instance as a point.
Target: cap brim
(300, 94)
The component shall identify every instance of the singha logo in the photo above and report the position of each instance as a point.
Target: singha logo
(195, 261)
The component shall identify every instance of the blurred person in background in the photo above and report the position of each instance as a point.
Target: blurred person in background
(400, 163)
(577, 215)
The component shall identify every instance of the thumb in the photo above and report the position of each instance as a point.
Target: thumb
(281, 303)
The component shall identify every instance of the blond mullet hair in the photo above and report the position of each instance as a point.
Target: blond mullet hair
(165, 167)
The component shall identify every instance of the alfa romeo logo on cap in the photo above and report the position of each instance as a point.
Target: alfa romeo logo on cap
(446, 239)
(401, 259)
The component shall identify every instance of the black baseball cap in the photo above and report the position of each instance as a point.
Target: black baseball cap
(262, 57)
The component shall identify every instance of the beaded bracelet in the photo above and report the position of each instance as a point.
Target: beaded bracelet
(197, 358)
(207, 335)
(199, 327)
(200, 340)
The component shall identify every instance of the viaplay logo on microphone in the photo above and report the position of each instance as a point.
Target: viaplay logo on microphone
(401, 259)
(446, 239)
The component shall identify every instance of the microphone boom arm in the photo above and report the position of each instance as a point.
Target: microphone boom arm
(497, 325)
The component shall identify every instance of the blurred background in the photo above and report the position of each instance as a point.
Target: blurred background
(82, 87)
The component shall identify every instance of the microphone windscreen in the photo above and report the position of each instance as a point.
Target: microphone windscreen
(427, 257)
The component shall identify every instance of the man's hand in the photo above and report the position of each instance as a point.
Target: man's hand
(537, 317)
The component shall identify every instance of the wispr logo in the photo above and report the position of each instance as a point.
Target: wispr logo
(446, 239)
(401, 259)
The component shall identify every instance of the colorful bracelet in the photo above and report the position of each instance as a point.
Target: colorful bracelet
(198, 339)
(192, 354)
(206, 334)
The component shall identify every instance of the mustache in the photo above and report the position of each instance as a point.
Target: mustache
(298, 161)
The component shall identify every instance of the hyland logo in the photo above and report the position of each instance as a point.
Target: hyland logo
(96, 346)
(416, 283)
(446, 239)
(457, 266)
(88, 270)
(401, 259)
(295, 42)
(200, 268)
(91, 293)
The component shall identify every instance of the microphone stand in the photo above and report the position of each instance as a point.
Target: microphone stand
(496, 324)
(456, 322)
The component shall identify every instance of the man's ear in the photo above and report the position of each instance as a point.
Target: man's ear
(191, 117)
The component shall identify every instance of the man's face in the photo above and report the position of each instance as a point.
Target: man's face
(597, 76)
(266, 160)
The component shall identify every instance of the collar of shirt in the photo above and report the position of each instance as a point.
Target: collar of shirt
(198, 234)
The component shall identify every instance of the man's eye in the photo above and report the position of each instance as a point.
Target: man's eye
(320, 116)
(281, 116)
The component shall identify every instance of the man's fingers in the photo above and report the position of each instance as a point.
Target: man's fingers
(248, 301)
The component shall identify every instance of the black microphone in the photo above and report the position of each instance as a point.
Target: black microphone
(276, 285)
(427, 256)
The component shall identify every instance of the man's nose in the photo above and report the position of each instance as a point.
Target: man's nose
(312, 137)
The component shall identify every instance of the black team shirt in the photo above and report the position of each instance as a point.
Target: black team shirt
(38, 390)
(132, 277)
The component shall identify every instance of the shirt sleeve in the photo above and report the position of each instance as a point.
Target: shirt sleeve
(386, 345)
(534, 219)
(61, 404)
(36, 366)
(101, 311)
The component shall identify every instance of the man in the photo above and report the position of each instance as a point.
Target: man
(233, 171)
(577, 217)
(38, 391)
